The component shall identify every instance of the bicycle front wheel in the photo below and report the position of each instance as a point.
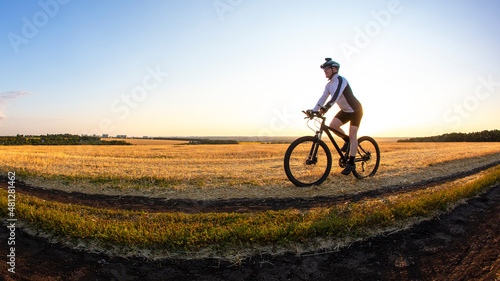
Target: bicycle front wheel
(308, 162)
(367, 158)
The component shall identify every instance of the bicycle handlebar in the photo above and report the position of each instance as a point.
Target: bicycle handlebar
(313, 114)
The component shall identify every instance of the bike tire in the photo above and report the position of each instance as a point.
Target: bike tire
(367, 158)
(304, 174)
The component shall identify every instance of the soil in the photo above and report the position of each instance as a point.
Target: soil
(461, 245)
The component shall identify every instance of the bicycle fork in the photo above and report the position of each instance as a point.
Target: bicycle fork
(312, 159)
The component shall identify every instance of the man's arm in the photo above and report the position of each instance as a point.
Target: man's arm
(322, 100)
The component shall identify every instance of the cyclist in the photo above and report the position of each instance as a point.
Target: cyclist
(350, 108)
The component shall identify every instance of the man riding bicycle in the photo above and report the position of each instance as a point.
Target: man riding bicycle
(350, 109)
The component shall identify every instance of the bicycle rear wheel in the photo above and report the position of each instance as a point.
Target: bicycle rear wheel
(367, 158)
(307, 162)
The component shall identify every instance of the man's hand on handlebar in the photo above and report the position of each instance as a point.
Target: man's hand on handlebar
(311, 113)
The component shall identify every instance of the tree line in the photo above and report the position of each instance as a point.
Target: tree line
(197, 140)
(58, 139)
(483, 136)
(208, 141)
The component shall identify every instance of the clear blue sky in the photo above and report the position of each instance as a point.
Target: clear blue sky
(240, 67)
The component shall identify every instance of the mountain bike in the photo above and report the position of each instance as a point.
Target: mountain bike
(308, 159)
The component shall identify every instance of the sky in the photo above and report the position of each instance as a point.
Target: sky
(245, 68)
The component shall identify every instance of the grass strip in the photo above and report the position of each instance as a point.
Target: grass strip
(192, 232)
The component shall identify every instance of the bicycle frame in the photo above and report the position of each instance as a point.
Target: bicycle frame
(327, 130)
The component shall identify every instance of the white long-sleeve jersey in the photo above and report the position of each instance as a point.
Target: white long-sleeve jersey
(341, 93)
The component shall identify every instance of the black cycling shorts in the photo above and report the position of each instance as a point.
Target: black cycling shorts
(354, 117)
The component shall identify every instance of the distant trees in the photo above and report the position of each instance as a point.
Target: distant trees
(483, 136)
(68, 139)
(198, 141)
(207, 141)
(59, 139)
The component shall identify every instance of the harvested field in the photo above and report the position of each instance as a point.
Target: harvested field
(248, 179)
(223, 171)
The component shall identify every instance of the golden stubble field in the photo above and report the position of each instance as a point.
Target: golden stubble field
(224, 171)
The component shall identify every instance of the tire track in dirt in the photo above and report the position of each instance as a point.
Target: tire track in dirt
(240, 205)
(461, 245)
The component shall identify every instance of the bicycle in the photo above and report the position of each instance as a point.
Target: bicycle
(308, 159)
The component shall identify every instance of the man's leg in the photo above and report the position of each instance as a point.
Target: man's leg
(353, 137)
(336, 123)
